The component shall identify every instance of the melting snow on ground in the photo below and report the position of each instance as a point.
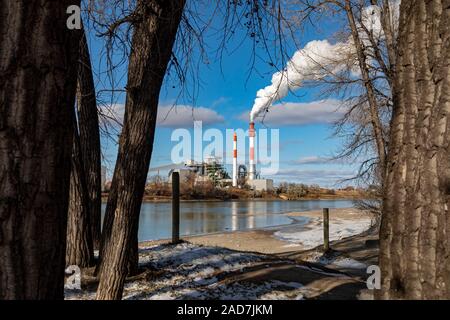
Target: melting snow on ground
(334, 260)
(188, 271)
(311, 236)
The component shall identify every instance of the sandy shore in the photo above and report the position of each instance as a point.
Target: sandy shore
(286, 238)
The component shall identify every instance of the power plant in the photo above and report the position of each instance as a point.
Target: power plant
(212, 170)
(239, 175)
(251, 141)
(235, 165)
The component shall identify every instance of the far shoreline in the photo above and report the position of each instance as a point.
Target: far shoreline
(168, 200)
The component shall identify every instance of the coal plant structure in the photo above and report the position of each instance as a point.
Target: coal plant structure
(252, 178)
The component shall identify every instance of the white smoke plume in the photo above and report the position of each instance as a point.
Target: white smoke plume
(318, 59)
(305, 65)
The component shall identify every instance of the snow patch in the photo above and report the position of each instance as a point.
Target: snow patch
(336, 261)
(188, 271)
(348, 263)
(311, 236)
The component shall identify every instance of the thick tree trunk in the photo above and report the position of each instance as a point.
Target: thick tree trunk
(89, 138)
(38, 64)
(79, 249)
(415, 230)
(371, 97)
(153, 38)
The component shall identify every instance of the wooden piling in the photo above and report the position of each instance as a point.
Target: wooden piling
(175, 207)
(326, 229)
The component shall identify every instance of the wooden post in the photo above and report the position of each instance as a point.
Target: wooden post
(175, 207)
(326, 229)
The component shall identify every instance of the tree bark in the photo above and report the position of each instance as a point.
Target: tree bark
(153, 38)
(415, 229)
(88, 125)
(38, 62)
(79, 250)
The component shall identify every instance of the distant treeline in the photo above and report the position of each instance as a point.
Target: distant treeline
(158, 188)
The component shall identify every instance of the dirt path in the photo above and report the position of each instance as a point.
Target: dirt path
(338, 275)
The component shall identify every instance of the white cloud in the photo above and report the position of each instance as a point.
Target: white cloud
(299, 113)
(307, 64)
(315, 173)
(219, 101)
(178, 116)
(319, 160)
(327, 178)
(184, 116)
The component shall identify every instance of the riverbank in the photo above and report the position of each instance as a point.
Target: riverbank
(294, 259)
(304, 233)
(269, 263)
(167, 199)
(248, 195)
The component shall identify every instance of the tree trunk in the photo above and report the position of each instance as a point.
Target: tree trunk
(153, 38)
(388, 26)
(38, 63)
(415, 230)
(371, 98)
(89, 138)
(79, 249)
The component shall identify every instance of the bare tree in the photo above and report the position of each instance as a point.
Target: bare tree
(148, 62)
(155, 26)
(88, 124)
(85, 191)
(368, 84)
(38, 65)
(415, 241)
(152, 24)
(79, 250)
(361, 75)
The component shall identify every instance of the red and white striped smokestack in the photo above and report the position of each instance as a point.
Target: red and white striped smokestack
(252, 166)
(235, 169)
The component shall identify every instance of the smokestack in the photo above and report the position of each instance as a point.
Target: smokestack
(235, 170)
(252, 167)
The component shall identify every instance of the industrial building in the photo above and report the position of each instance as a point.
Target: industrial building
(209, 171)
(241, 176)
(261, 184)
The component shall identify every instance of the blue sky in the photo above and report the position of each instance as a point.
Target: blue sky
(224, 98)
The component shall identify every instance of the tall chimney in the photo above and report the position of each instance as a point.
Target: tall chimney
(235, 170)
(252, 167)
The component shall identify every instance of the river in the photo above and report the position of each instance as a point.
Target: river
(201, 217)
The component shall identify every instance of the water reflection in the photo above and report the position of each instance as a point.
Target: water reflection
(234, 216)
(251, 215)
(201, 217)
